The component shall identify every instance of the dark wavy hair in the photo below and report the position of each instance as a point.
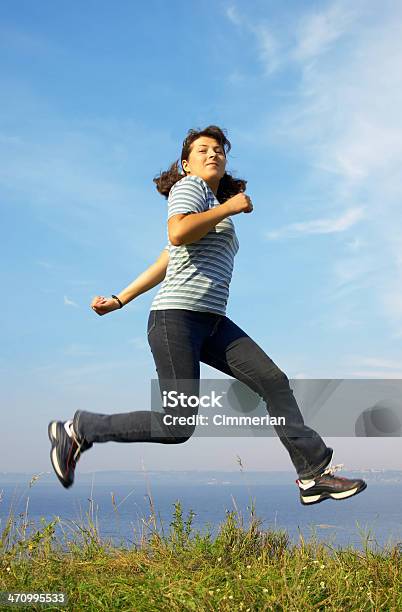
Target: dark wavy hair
(228, 185)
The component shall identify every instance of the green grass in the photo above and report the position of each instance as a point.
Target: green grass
(178, 569)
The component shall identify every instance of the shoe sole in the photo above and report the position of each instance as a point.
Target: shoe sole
(316, 499)
(52, 433)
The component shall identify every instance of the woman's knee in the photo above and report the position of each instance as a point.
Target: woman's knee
(277, 381)
(181, 439)
(181, 434)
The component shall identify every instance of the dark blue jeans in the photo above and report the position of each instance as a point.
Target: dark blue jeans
(179, 341)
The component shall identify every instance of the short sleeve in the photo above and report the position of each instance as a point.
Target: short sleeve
(187, 196)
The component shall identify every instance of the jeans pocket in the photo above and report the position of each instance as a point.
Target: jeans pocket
(151, 321)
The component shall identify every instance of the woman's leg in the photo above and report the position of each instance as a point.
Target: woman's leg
(231, 350)
(175, 337)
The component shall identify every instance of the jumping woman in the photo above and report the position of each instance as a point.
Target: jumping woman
(187, 324)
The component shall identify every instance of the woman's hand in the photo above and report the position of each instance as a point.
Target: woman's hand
(239, 203)
(102, 305)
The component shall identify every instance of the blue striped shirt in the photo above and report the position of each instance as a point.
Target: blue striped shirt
(198, 274)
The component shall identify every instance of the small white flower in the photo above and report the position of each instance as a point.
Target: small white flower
(219, 559)
(265, 590)
(248, 566)
(322, 566)
(230, 596)
(322, 584)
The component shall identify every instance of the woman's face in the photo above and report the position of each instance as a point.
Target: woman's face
(207, 160)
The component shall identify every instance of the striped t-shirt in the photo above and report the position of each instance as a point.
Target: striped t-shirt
(198, 274)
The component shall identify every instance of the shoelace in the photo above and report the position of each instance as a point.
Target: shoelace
(76, 455)
(332, 469)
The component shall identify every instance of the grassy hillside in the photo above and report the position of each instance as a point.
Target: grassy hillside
(243, 568)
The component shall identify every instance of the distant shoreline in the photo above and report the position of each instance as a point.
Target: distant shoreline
(199, 477)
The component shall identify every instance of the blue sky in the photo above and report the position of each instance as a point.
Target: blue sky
(96, 100)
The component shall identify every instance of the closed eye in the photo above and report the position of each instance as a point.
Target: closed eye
(204, 151)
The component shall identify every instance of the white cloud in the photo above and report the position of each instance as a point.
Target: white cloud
(79, 350)
(268, 50)
(377, 374)
(318, 31)
(350, 269)
(321, 226)
(77, 176)
(69, 302)
(345, 120)
(45, 264)
(233, 15)
(372, 367)
(59, 374)
(375, 362)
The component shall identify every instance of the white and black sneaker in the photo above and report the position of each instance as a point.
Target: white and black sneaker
(66, 450)
(327, 486)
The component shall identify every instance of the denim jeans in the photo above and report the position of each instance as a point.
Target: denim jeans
(180, 340)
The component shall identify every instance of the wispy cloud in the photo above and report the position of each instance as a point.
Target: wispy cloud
(79, 350)
(321, 29)
(233, 15)
(74, 375)
(347, 270)
(320, 226)
(268, 51)
(377, 374)
(375, 362)
(78, 176)
(342, 117)
(268, 48)
(45, 264)
(69, 302)
(24, 42)
(373, 367)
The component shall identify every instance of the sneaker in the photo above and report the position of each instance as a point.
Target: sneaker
(65, 452)
(328, 486)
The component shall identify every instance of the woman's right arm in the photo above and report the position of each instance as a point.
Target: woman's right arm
(188, 228)
(149, 278)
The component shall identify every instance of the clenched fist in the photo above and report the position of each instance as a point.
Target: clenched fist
(239, 203)
(102, 305)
